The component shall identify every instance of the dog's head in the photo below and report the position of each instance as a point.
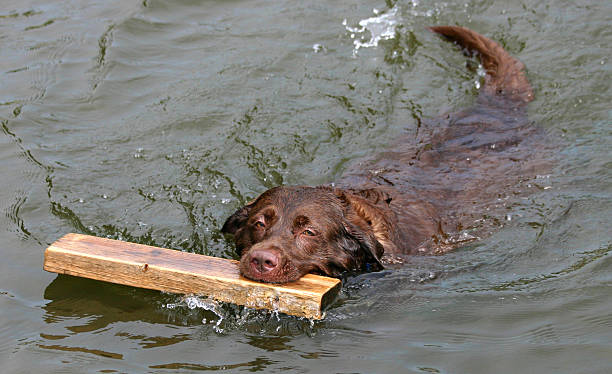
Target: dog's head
(291, 231)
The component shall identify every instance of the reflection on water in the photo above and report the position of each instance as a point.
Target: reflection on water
(152, 121)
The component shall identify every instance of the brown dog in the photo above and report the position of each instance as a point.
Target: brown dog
(421, 197)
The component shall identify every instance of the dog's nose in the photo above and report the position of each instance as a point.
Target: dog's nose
(264, 261)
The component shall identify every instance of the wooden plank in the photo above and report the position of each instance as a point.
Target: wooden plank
(185, 273)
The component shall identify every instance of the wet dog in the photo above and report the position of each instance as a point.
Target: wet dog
(424, 195)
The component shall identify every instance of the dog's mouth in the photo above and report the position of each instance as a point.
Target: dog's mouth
(270, 278)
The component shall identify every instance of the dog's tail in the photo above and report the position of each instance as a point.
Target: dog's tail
(505, 79)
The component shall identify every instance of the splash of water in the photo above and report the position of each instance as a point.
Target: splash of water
(380, 27)
(481, 73)
(195, 302)
(211, 305)
(242, 317)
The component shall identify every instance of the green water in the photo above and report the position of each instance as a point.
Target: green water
(153, 121)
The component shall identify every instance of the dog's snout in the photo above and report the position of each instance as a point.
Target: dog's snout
(264, 260)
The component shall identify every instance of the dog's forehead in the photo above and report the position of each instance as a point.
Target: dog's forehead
(297, 200)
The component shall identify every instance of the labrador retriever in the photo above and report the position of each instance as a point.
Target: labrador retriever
(424, 195)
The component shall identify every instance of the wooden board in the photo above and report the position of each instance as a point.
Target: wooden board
(185, 273)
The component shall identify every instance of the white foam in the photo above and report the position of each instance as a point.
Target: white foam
(380, 27)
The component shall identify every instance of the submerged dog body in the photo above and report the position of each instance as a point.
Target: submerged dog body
(419, 197)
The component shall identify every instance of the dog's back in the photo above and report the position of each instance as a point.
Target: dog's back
(425, 194)
(445, 180)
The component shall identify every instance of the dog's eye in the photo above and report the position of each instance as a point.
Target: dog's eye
(308, 232)
(260, 224)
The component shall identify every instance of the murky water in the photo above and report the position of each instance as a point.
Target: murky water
(152, 121)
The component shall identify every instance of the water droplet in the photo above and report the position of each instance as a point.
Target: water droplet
(318, 48)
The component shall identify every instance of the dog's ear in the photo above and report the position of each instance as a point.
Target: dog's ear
(370, 209)
(237, 220)
(365, 224)
(362, 246)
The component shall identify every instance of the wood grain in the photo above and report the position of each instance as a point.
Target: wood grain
(185, 273)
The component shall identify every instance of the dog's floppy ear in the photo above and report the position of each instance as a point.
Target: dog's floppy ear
(237, 220)
(363, 246)
(369, 210)
(361, 224)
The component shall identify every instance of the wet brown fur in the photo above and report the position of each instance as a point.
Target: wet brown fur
(416, 198)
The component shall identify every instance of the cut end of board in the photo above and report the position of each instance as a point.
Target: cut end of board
(168, 270)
